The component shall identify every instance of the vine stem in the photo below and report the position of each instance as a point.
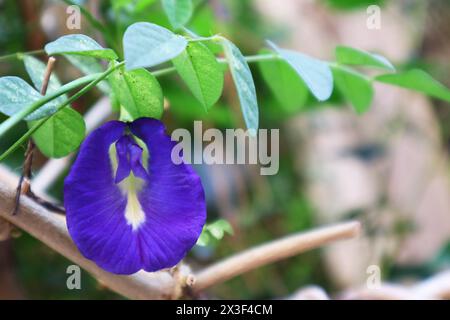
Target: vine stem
(249, 59)
(14, 119)
(17, 55)
(273, 251)
(20, 115)
(92, 80)
(24, 182)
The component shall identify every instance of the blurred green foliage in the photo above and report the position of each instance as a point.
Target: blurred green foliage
(353, 4)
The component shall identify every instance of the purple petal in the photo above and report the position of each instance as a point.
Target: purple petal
(173, 199)
(124, 166)
(135, 160)
(104, 220)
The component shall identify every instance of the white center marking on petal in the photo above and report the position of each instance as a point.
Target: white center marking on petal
(134, 214)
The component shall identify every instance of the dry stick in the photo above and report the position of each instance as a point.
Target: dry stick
(23, 186)
(51, 229)
(273, 251)
(47, 75)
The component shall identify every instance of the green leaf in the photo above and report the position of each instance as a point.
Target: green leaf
(244, 84)
(219, 228)
(287, 87)
(199, 68)
(16, 94)
(354, 4)
(139, 94)
(417, 80)
(61, 134)
(147, 45)
(141, 5)
(214, 232)
(316, 73)
(79, 44)
(185, 108)
(135, 6)
(204, 239)
(352, 56)
(179, 12)
(355, 87)
(89, 65)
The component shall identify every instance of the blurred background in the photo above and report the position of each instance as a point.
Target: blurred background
(388, 168)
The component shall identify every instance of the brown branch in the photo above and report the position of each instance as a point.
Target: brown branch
(24, 186)
(51, 229)
(273, 251)
(48, 73)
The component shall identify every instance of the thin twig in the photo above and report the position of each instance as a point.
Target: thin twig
(48, 73)
(23, 186)
(249, 59)
(18, 55)
(51, 229)
(273, 251)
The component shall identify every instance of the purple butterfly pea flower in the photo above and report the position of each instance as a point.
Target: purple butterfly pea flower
(127, 214)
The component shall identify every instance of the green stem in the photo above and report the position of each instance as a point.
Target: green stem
(190, 33)
(17, 55)
(162, 72)
(193, 38)
(14, 119)
(262, 57)
(38, 124)
(249, 59)
(349, 70)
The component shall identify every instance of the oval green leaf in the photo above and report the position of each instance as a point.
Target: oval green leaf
(243, 81)
(352, 56)
(214, 232)
(287, 87)
(138, 93)
(61, 134)
(16, 94)
(79, 44)
(355, 88)
(316, 73)
(417, 80)
(201, 71)
(147, 45)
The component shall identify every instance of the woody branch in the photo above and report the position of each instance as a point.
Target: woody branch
(51, 229)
